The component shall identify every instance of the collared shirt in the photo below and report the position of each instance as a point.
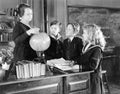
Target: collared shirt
(58, 36)
(71, 38)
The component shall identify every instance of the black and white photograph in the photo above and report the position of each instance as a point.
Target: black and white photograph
(59, 46)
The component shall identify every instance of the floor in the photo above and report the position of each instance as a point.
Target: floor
(114, 88)
(114, 85)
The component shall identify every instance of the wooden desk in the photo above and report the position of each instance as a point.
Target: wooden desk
(73, 83)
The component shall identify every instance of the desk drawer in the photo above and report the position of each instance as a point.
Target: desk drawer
(43, 86)
(46, 89)
(78, 85)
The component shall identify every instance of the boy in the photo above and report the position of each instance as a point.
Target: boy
(72, 45)
(55, 50)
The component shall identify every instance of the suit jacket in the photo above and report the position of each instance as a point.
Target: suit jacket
(22, 50)
(72, 50)
(55, 50)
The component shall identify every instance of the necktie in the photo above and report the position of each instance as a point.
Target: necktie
(57, 48)
(68, 49)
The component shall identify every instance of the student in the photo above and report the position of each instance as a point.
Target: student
(72, 46)
(94, 44)
(22, 33)
(55, 50)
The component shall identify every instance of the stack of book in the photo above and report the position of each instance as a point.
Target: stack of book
(5, 37)
(29, 69)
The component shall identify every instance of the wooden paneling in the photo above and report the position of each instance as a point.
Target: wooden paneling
(101, 3)
(60, 84)
(78, 83)
(56, 9)
(43, 86)
(62, 14)
(38, 9)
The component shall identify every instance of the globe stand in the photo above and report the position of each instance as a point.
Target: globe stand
(40, 42)
(41, 57)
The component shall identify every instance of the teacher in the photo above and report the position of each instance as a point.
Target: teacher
(22, 33)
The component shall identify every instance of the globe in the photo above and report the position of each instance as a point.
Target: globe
(40, 42)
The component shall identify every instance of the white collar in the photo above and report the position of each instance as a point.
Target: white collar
(71, 38)
(27, 24)
(58, 37)
(85, 48)
(88, 47)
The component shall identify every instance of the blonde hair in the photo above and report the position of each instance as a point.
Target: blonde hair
(95, 35)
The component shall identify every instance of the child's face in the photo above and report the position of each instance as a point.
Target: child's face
(28, 15)
(69, 31)
(55, 29)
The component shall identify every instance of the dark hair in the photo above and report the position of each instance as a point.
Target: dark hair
(54, 22)
(21, 9)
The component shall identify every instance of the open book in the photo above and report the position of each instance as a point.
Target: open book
(63, 64)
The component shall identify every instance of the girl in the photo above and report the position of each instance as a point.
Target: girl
(94, 44)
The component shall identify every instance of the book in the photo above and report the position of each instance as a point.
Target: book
(43, 69)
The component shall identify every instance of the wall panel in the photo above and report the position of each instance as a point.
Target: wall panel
(101, 3)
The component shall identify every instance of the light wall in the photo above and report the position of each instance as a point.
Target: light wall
(57, 10)
(38, 10)
(4, 4)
